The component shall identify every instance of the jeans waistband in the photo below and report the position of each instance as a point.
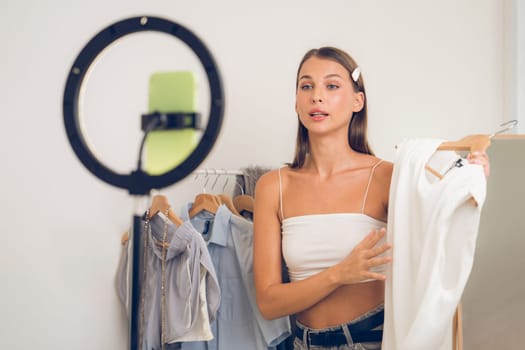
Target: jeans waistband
(360, 331)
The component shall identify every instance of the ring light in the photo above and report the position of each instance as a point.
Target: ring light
(139, 182)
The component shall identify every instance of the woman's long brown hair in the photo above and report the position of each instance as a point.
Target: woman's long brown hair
(357, 138)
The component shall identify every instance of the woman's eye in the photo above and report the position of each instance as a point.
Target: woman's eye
(332, 86)
(306, 86)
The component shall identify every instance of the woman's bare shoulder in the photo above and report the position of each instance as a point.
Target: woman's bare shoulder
(383, 177)
(384, 170)
(270, 180)
(383, 167)
(267, 192)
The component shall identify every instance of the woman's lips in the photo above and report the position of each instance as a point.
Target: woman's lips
(318, 115)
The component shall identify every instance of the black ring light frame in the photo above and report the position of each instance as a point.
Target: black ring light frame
(139, 182)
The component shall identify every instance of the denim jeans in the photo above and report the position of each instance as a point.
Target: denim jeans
(303, 344)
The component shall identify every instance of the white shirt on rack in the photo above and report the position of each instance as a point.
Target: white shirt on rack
(433, 226)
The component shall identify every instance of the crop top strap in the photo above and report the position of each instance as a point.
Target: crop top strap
(368, 185)
(281, 195)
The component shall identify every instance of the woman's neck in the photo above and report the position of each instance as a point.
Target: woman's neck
(329, 156)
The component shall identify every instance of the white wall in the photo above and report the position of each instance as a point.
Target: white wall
(519, 7)
(431, 69)
(514, 63)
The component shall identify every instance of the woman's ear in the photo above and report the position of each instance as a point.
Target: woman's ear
(359, 101)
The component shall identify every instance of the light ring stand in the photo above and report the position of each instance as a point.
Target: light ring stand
(139, 182)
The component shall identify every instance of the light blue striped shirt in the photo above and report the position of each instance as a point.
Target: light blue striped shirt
(239, 324)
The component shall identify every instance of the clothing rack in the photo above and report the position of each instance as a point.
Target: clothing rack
(218, 172)
(214, 171)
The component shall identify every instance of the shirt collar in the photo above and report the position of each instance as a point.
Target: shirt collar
(220, 228)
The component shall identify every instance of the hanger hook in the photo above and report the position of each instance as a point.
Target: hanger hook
(206, 182)
(240, 187)
(217, 175)
(509, 125)
(225, 183)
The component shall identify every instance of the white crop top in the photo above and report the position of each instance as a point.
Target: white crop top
(313, 243)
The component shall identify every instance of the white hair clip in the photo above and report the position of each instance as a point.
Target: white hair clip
(356, 73)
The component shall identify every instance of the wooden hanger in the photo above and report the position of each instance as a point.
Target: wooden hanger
(476, 143)
(124, 238)
(210, 202)
(160, 203)
(457, 329)
(204, 201)
(243, 202)
(471, 143)
(227, 200)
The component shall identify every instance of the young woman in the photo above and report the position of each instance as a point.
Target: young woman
(324, 215)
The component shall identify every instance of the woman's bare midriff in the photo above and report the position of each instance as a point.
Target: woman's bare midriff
(344, 305)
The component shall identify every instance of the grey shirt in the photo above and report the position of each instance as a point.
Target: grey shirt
(187, 266)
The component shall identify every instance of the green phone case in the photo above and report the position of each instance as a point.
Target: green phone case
(170, 92)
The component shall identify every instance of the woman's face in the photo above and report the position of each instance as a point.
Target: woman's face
(325, 98)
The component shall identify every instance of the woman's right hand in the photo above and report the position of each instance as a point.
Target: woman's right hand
(356, 266)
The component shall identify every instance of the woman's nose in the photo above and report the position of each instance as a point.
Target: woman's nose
(317, 97)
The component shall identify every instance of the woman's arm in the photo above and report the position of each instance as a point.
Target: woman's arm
(275, 298)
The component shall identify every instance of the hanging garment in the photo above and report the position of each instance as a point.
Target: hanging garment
(248, 179)
(239, 325)
(432, 225)
(191, 291)
(273, 331)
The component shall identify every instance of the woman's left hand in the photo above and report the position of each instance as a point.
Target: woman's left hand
(482, 159)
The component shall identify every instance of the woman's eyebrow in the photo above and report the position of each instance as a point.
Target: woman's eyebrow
(334, 75)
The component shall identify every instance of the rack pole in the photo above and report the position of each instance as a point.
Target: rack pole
(136, 263)
(136, 283)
